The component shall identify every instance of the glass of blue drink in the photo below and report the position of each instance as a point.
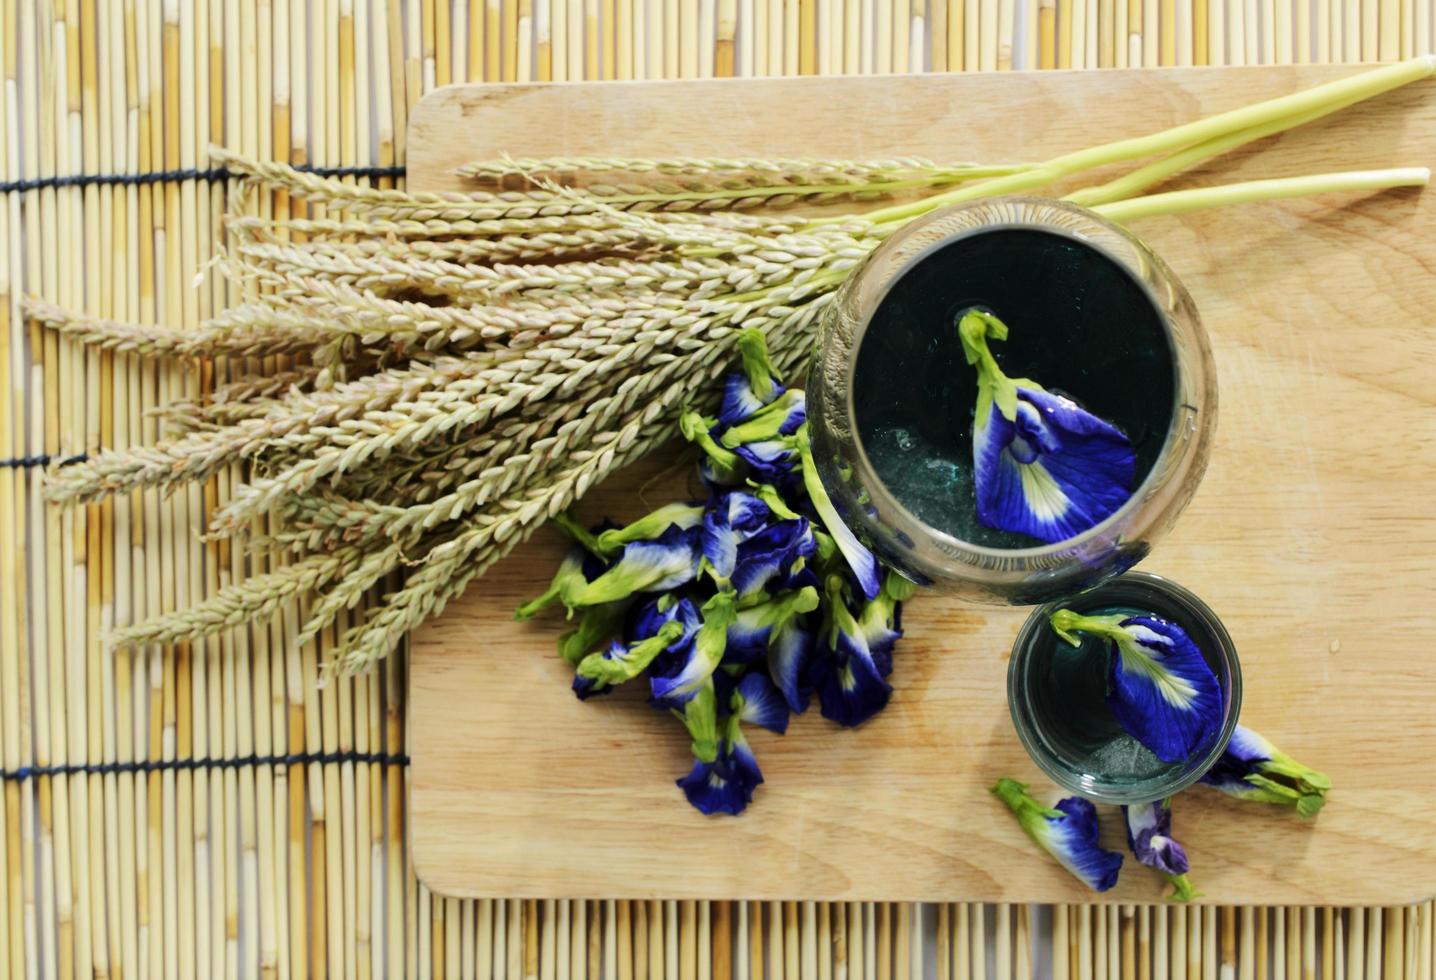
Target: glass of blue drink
(1062, 692)
(895, 393)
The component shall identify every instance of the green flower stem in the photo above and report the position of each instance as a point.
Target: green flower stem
(597, 667)
(582, 536)
(1067, 623)
(1028, 811)
(647, 528)
(1177, 202)
(695, 429)
(974, 329)
(1182, 889)
(753, 349)
(700, 717)
(1343, 91)
(595, 625)
(762, 425)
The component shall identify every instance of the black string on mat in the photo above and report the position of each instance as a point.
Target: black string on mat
(191, 173)
(44, 459)
(176, 765)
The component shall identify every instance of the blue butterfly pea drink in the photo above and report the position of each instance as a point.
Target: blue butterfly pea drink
(1012, 401)
(1127, 693)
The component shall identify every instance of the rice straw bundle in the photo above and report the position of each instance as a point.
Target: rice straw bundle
(465, 366)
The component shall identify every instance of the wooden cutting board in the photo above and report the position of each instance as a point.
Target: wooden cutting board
(1313, 536)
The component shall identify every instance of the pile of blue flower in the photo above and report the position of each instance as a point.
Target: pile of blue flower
(740, 608)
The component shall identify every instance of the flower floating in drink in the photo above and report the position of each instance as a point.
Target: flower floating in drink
(1042, 465)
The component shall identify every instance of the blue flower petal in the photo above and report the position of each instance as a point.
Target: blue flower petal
(726, 784)
(732, 518)
(758, 702)
(1068, 832)
(1073, 841)
(672, 685)
(789, 653)
(655, 613)
(1149, 835)
(772, 555)
(748, 636)
(740, 401)
(1051, 472)
(1162, 692)
(769, 460)
(850, 689)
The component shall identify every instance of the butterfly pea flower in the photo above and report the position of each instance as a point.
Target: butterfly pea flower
(747, 392)
(756, 701)
(730, 519)
(779, 418)
(790, 652)
(880, 620)
(611, 541)
(666, 562)
(1042, 465)
(849, 680)
(620, 662)
(1160, 688)
(1067, 831)
(725, 784)
(771, 460)
(861, 561)
(771, 556)
(755, 627)
(1149, 835)
(720, 467)
(681, 681)
(1252, 768)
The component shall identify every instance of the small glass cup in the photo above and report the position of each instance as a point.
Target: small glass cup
(1071, 750)
(930, 555)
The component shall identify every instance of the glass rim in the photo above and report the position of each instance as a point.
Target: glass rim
(1160, 788)
(1097, 532)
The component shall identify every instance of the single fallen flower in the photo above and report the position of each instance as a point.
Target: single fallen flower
(1252, 768)
(1068, 832)
(1149, 835)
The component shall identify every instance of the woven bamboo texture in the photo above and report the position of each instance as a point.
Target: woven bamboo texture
(211, 810)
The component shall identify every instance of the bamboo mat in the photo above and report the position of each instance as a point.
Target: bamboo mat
(210, 811)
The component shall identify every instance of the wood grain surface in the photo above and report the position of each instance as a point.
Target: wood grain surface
(1313, 536)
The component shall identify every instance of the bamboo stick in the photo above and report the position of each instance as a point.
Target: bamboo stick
(1161, 959)
(1390, 37)
(1375, 933)
(1061, 938)
(1144, 943)
(1099, 941)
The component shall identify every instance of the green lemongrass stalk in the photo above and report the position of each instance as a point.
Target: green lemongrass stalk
(1341, 92)
(1129, 185)
(1177, 202)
